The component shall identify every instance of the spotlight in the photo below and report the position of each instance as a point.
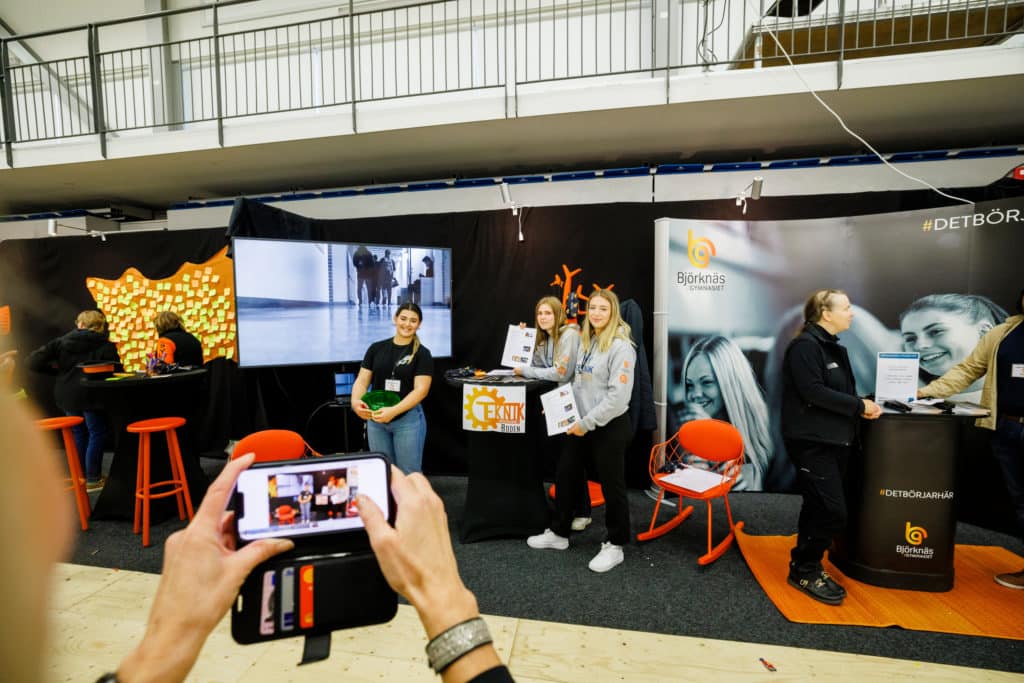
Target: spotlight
(755, 187)
(51, 227)
(506, 197)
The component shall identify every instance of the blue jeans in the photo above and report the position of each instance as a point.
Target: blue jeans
(1008, 451)
(89, 438)
(401, 439)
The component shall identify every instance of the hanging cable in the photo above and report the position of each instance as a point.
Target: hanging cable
(843, 123)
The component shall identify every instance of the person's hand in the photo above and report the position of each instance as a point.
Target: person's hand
(692, 411)
(872, 411)
(201, 576)
(517, 371)
(360, 408)
(416, 555)
(522, 326)
(385, 415)
(576, 430)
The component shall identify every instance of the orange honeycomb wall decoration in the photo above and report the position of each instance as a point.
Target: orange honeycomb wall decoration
(202, 294)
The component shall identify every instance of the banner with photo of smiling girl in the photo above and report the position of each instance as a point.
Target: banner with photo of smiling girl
(930, 281)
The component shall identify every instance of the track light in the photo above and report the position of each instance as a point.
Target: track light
(506, 197)
(751, 191)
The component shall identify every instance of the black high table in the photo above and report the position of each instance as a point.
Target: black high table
(900, 503)
(505, 492)
(128, 399)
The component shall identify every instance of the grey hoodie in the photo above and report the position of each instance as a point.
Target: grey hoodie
(558, 364)
(603, 382)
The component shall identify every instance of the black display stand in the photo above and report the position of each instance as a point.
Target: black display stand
(505, 492)
(900, 499)
(129, 399)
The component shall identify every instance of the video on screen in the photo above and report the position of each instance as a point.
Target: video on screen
(311, 498)
(305, 303)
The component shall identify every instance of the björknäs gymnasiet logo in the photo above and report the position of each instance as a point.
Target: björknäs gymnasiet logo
(972, 220)
(915, 548)
(915, 535)
(699, 250)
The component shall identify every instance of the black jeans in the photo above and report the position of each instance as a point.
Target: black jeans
(820, 469)
(607, 446)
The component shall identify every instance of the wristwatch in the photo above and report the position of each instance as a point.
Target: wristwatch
(457, 641)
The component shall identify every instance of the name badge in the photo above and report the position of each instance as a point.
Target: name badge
(394, 385)
(832, 366)
(1017, 370)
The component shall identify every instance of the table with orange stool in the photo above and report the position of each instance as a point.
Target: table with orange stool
(128, 400)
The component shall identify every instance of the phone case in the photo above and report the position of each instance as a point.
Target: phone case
(299, 595)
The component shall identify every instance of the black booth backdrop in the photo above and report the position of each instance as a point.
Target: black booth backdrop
(496, 280)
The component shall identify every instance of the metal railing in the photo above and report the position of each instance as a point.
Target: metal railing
(442, 47)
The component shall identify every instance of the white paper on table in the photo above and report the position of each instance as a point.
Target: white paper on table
(694, 479)
(896, 376)
(968, 408)
(501, 372)
(519, 343)
(560, 411)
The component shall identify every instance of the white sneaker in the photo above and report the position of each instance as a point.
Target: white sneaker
(581, 523)
(610, 557)
(548, 540)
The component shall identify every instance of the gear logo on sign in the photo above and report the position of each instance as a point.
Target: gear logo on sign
(485, 409)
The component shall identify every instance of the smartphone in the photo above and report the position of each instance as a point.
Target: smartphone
(310, 497)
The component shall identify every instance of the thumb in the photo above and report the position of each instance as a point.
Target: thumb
(373, 518)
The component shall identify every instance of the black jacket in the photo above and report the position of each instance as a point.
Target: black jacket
(62, 355)
(187, 349)
(819, 395)
(641, 403)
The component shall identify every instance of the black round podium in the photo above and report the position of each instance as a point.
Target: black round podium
(900, 497)
(505, 489)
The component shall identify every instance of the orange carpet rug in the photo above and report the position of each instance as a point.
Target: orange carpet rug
(977, 605)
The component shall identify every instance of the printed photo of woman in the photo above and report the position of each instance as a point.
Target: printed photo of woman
(944, 329)
(719, 383)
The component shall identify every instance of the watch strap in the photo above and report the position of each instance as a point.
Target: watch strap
(457, 641)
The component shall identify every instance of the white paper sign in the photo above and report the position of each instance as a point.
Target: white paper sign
(560, 411)
(694, 479)
(896, 376)
(488, 408)
(519, 345)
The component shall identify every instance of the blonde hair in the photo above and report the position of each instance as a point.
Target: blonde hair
(92, 320)
(819, 302)
(168, 320)
(616, 327)
(556, 331)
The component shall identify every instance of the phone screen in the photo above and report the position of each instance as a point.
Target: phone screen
(308, 497)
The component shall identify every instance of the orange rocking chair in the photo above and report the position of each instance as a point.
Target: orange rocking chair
(715, 441)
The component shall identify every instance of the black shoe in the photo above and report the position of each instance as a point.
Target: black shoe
(816, 587)
(831, 583)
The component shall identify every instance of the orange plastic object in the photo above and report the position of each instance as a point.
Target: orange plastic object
(272, 444)
(176, 486)
(715, 441)
(596, 494)
(76, 480)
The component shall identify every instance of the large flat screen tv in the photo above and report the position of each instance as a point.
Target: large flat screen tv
(306, 303)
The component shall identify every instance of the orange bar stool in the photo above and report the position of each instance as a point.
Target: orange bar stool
(76, 481)
(176, 486)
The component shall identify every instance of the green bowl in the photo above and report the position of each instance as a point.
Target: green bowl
(380, 398)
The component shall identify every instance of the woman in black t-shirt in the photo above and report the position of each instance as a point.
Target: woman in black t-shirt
(402, 365)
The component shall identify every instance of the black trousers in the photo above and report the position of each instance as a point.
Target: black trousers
(820, 469)
(607, 448)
